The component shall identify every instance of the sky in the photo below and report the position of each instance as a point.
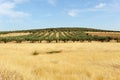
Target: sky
(36, 14)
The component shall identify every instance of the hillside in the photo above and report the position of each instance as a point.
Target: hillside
(60, 35)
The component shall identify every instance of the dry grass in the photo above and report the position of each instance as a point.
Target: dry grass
(112, 34)
(77, 61)
(10, 75)
(14, 34)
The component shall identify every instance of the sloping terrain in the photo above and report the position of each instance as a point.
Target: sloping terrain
(60, 35)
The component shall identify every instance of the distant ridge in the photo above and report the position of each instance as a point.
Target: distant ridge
(61, 28)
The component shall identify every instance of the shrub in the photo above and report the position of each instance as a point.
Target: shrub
(5, 40)
(35, 53)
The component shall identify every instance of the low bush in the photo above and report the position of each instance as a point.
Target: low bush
(35, 53)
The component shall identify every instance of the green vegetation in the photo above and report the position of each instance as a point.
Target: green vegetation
(56, 35)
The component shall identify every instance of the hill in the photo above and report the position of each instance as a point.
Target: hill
(59, 35)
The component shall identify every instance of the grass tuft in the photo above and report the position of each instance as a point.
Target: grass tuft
(52, 52)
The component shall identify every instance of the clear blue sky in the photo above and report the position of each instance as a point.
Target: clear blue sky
(35, 14)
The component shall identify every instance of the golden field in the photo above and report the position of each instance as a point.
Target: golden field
(111, 34)
(14, 34)
(74, 61)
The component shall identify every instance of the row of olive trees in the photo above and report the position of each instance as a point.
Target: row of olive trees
(81, 36)
(51, 36)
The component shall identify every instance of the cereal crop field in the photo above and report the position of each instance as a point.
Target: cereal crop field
(60, 61)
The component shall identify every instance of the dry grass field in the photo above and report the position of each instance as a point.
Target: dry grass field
(14, 34)
(112, 34)
(60, 61)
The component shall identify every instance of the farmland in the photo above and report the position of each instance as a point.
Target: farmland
(59, 35)
(60, 54)
(60, 61)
